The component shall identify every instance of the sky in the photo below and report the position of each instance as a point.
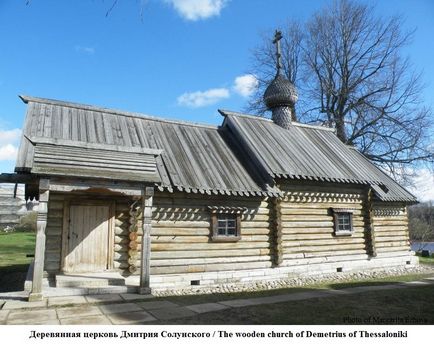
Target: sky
(178, 59)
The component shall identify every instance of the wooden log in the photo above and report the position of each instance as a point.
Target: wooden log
(299, 211)
(202, 239)
(319, 236)
(323, 259)
(323, 242)
(120, 223)
(215, 260)
(390, 223)
(391, 238)
(121, 247)
(133, 245)
(391, 249)
(53, 243)
(255, 224)
(51, 266)
(121, 240)
(307, 230)
(192, 231)
(53, 231)
(402, 218)
(134, 261)
(210, 267)
(55, 205)
(120, 256)
(133, 253)
(156, 255)
(392, 244)
(183, 224)
(120, 265)
(319, 248)
(55, 213)
(391, 229)
(208, 246)
(55, 222)
(317, 218)
(307, 224)
(289, 256)
(164, 231)
(120, 231)
(52, 256)
(402, 235)
(290, 205)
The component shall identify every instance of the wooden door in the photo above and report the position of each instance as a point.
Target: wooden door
(87, 241)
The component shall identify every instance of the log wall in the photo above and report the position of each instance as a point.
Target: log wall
(181, 231)
(295, 231)
(390, 228)
(307, 225)
(53, 232)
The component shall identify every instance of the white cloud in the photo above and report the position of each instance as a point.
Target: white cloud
(8, 152)
(10, 136)
(84, 49)
(199, 98)
(423, 185)
(194, 10)
(245, 85)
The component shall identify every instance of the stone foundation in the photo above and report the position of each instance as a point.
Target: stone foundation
(212, 279)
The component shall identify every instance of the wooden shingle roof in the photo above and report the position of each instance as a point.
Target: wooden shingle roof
(309, 153)
(242, 157)
(194, 157)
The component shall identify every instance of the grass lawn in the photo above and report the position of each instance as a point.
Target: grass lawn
(426, 260)
(371, 307)
(14, 247)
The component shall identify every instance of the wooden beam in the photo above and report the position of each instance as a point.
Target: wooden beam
(370, 224)
(145, 264)
(38, 269)
(14, 178)
(71, 184)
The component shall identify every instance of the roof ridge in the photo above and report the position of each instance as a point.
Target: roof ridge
(117, 112)
(313, 126)
(239, 114)
(261, 118)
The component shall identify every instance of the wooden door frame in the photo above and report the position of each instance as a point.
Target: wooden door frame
(67, 203)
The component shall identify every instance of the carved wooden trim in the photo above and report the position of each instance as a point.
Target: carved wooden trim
(278, 249)
(369, 223)
(41, 224)
(389, 211)
(145, 264)
(134, 213)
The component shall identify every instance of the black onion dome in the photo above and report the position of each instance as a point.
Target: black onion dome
(280, 92)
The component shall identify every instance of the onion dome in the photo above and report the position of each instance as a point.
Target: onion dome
(280, 92)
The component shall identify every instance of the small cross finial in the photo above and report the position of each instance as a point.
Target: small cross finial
(276, 41)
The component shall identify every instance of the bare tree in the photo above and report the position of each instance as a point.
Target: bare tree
(349, 68)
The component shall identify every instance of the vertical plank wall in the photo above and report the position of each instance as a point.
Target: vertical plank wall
(52, 264)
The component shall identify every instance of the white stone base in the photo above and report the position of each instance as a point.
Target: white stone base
(290, 269)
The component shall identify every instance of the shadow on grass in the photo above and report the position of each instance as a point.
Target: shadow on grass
(12, 277)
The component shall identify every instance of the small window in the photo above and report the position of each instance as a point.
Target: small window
(343, 220)
(226, 227)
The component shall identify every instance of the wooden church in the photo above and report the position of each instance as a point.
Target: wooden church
(177, 204)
